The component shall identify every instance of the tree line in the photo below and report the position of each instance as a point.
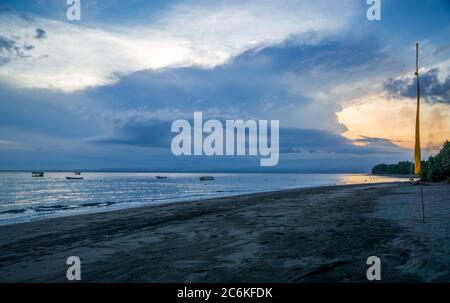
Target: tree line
(435, 169)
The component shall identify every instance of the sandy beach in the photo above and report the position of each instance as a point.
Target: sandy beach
(322, 234)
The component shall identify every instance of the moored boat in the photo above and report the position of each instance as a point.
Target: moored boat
(206, 178)
(74, 178)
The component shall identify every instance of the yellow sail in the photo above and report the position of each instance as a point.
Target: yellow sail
(417, 156)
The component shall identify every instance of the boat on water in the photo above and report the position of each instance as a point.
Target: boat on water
(161, 177)
(74, 178)
(206, 178)
(37, 174)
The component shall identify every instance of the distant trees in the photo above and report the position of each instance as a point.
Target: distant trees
(435, 169)
(401, 168)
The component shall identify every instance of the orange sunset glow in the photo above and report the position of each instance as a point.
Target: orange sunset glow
(379, 116)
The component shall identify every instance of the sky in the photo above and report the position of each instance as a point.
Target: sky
(101, 93)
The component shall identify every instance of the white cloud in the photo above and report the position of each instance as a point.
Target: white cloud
(72, 57)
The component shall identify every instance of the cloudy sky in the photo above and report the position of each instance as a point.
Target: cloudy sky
(102, 92)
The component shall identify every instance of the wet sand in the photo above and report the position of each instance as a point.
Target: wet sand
(320, 234)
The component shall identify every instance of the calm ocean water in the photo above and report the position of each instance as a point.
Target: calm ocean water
(24, 198)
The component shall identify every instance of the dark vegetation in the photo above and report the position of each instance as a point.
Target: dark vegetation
(435, 169)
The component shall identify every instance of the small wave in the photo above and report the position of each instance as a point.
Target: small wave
(44, 208)
(97, 204)
(13, 211)
(59, 207)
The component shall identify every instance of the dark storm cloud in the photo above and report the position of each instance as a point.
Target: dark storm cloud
(151, 134)
(40, 33)
(295, 140)
(7, 44)
(40, 112)
(247, 82)
(125, 115)
(10, 49)
(156, 133)
(432, 88)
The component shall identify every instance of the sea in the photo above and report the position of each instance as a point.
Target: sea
(25, 198)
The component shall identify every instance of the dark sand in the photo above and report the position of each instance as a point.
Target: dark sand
(306, 235)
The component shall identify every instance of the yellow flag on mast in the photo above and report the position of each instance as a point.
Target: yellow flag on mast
(417, 155)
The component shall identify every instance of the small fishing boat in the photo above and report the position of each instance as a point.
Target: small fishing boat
(37, 174)
(161, 177)
(74, 178)
(206, 178)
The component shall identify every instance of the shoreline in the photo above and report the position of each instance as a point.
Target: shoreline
(317, 234)
(83, 212)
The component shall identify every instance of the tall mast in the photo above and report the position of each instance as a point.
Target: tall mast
(417, 158)
(417, 155)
